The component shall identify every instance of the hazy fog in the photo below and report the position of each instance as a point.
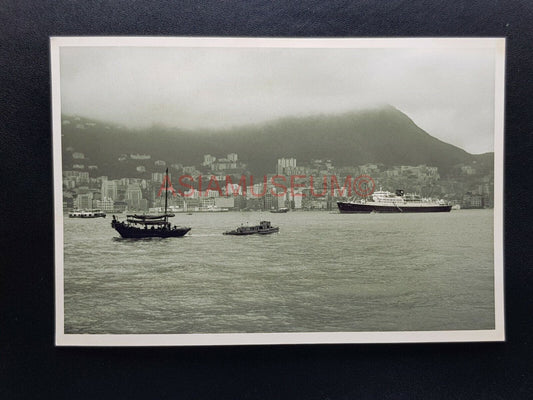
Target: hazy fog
(447, 92)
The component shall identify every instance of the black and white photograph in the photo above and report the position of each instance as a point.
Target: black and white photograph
(236, 191)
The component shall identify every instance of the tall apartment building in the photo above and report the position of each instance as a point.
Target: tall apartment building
(284, 165)
(84, 201)
(110, 190)
(134, 196)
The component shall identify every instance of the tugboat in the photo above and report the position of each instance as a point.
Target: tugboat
(264, 228)
(387, 202)
(147, 226)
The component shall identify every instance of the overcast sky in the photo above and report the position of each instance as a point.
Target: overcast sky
(447, 92)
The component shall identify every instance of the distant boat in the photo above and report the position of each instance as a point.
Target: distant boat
(87, 214)
(264, 228)
(280, 210)
(387, 202)
(139, 226)
(211, 208)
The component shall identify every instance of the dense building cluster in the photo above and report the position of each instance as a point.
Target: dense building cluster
(222, 182)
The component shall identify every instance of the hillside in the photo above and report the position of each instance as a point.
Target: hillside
(383, 135)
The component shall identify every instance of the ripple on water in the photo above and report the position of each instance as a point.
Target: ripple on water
(321, 272)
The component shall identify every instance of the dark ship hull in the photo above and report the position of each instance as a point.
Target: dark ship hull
(280, 211)
(261, 232)
(134, 232)
(367, 208)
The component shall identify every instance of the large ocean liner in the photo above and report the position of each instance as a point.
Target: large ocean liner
(386, 202)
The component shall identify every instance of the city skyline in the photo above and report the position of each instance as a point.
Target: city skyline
(204, 186)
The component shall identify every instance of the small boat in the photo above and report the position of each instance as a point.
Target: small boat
(139, 226)
(280, 210)
(211, 208)
(87, 214)
(264, 228)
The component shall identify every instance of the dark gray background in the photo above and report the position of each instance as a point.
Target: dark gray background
(30, 365)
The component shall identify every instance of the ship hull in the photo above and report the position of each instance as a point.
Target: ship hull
(132, 232)
(361, 208)
(259, 232)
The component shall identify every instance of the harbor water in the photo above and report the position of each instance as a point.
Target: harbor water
(322, 272)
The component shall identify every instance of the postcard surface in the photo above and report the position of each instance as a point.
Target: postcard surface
(233, 191)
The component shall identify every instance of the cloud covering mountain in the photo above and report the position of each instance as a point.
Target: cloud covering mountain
(381, 135)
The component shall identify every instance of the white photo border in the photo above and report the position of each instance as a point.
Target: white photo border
(494, 335)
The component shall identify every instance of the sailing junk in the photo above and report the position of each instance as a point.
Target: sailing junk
(147, 226)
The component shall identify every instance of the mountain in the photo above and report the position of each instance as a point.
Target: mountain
(384, 135)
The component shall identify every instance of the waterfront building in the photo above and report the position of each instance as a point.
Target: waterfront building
(133, 196)
(225, 202)
(120, 206)
(106, 204)
(211, 193)
(84, 201)
(268, 201)
(239, 202)
(472, 200)
(109, 189)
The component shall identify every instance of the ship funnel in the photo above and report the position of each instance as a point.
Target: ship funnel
(399, 192)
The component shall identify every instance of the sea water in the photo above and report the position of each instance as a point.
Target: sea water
(323, 271)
